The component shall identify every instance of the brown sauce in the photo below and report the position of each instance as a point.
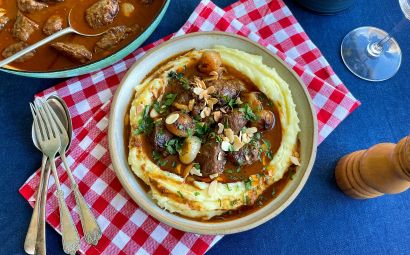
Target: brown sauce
(231, 172)
(48, 59)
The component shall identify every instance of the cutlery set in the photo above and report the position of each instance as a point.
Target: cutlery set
(52, 137)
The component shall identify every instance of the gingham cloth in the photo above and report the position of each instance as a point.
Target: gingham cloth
(127, 229)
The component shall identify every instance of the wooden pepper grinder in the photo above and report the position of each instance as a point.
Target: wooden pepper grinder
(382, 169)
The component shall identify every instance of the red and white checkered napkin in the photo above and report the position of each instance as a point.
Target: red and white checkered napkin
(126, 228)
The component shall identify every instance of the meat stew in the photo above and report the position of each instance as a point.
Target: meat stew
(24, 22)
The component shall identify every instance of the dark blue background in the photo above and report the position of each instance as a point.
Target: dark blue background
(321, 220)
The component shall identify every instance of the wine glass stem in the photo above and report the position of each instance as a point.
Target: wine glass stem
(376, 49)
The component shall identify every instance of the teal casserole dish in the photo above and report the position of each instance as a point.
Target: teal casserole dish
(101, 63)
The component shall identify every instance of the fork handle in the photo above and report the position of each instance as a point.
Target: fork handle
(71, 239)
(31, 236)
(40, 237)
(91, 229)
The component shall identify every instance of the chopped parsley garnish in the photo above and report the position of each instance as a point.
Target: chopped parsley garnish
(197, 166)
(249, 114)
(173, 145)
(229, 171)
(174, 164)
(273, 192)
(247, 200)
(163, 106)
(292, 173)
(248, 184)
(201, 129)
(268, 150)
(180, 194)
(234, 202)
(158, 159)
(227, 187)
(145, 124)
(196, 193)
(179, 77)
(238, 170)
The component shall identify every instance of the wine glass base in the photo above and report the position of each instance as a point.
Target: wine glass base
(355, 55)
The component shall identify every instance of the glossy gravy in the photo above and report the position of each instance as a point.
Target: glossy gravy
(48, 59)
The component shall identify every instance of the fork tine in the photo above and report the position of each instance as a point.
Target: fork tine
(40, 121)
(36, 125)
(53, 125)
(57, 121)
(44, 118)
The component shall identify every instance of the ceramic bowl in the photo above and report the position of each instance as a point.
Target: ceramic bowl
(125, 93)
(102, 63)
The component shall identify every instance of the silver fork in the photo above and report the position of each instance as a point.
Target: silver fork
(91, 229)
(49, 141)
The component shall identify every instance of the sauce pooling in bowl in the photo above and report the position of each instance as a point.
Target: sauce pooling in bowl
(24, 22)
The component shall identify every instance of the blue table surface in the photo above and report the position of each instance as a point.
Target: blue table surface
(321, 220)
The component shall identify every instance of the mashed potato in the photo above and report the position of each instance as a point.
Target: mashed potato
(200, 199)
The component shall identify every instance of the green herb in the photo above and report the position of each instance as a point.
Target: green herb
(174, 164)
(201, 129)
(227, 187)
(156, 155)
(145, 124)
(268, 150)
(180, 194)
(238, 170)
(273, 192)
(173, 145)
(247, 200)
(197, 166)
(234, 202)
(196, 193)
(249, 114)
(179, 77)
(291, 173)
(248, 184)
(163, 106)
(231, 102)
(189, 131)
(229, 171)
(162, 162)
(180, 127)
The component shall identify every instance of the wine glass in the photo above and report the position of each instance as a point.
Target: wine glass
(373, 54)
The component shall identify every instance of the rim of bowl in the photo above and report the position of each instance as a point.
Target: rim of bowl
(103, 62)
(213, 228)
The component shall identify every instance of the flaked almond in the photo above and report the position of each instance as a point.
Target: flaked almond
(214, 176)
(251, 130)
(195, 171)
(153, 113)
(239, 101)
(172, 118)
(295, 160)
(211, 102)
(199, 83)
(181, 107)
(223, 110)
(220, 128)
(220, 155)
(245, 138)
(213, 188)
(205, 112)
(198, 91)
(226, 146)
(214, 73)
(229, 133)
(217, 116)
(191, 104)
(210, 90)
(237, 143)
